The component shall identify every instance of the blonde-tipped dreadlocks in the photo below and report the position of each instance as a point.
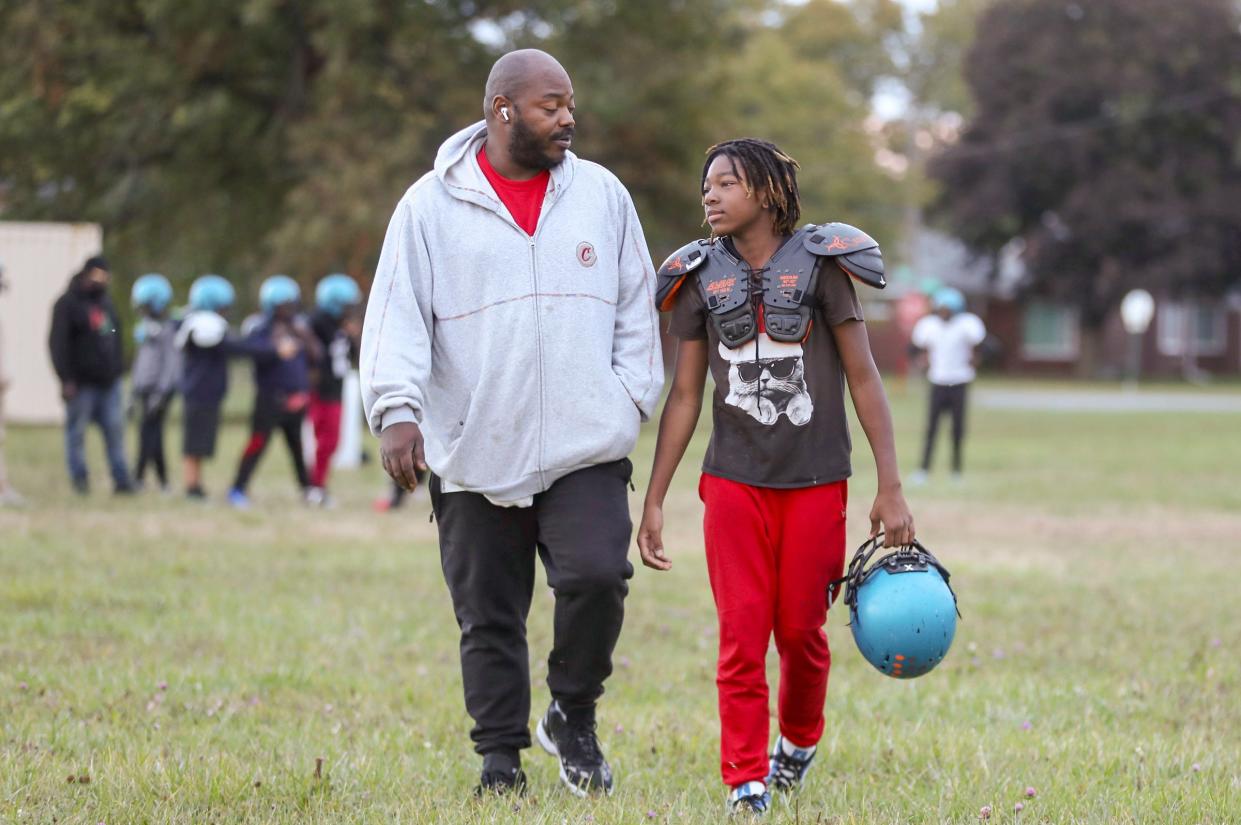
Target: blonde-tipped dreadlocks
(766, 167)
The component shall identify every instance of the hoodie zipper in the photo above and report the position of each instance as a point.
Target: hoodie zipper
(538, 333)
(538, 324)
(504, 215)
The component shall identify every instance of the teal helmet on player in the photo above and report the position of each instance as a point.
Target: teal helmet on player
(902, 612)
(152, 291)
(336, 293)
(211, 293)
(948, 298)
(277, 291)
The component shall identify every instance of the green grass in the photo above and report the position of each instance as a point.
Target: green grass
(193, 663)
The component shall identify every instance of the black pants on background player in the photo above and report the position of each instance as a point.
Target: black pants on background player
(951, 400)
(274, 411)
(153, 408)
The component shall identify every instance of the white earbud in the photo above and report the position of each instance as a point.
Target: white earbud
(504, 113)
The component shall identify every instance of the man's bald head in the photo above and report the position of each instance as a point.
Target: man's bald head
(529, 110)
(516, 72)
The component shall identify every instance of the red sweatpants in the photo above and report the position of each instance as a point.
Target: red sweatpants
(770, 556)
(325, 418)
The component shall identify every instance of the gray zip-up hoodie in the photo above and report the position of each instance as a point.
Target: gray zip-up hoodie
(521, 358)
(157, 363)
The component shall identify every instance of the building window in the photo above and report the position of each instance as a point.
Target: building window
(1184, 322)
(1049, 332)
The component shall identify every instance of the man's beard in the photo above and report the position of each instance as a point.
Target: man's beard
(528, 150)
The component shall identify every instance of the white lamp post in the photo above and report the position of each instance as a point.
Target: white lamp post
(1136, 311)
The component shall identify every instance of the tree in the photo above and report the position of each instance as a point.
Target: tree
(934, 51)
(277, 135)
(233, 137)
(816, 114)
(1105, 136)
(397, 79)
(648, 75)
(165, 121)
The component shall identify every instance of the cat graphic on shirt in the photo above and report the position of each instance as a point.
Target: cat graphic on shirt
(767, 379)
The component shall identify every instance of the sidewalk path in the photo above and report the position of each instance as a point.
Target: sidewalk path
(1100, 401)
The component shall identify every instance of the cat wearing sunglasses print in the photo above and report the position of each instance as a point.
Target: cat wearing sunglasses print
(767, 379)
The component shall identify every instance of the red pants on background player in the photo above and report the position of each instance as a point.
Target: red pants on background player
(325, 419)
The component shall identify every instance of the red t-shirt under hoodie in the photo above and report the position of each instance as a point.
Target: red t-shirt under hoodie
(524, 198)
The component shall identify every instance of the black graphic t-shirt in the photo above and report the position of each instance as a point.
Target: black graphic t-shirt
(778, 409)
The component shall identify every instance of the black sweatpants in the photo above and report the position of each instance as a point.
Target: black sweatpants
(951, 400)
(580, 528)
(271, 412)
(151, 437)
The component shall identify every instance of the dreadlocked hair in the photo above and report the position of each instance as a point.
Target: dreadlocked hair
(765, 167)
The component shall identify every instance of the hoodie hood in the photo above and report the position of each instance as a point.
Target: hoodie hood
(456, 165)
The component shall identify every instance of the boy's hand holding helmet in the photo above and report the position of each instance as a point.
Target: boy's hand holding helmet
(890, 513)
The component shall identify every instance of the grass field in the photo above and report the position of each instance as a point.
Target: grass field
(166, 662)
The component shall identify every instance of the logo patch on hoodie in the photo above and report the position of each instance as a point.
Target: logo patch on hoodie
(586, 254)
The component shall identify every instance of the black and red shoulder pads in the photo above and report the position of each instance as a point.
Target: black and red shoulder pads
(855, 252)
(672, 273)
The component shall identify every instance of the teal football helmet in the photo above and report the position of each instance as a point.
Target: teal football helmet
(336, 293)
(278, 290)
(948, 298)
(902, 611)
(211, 293)
(152, 291)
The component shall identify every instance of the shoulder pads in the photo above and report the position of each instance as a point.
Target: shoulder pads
(855, 252)
(206, 329)
(673, 271)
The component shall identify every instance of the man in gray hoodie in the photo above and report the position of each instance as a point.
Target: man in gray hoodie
(511, 346)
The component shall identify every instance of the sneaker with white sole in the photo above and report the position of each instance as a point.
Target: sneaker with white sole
(749, 798)
(788, 765)
(583, 768)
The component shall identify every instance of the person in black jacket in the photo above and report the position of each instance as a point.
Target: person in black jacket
(85, 343)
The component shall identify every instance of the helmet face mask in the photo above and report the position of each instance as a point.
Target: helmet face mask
(902, 611)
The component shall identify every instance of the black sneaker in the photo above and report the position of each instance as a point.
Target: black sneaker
(81, 486)
(582, 766)
(502, 774)
(788, 765)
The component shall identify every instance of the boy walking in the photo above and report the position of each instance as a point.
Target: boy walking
(771, 311)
